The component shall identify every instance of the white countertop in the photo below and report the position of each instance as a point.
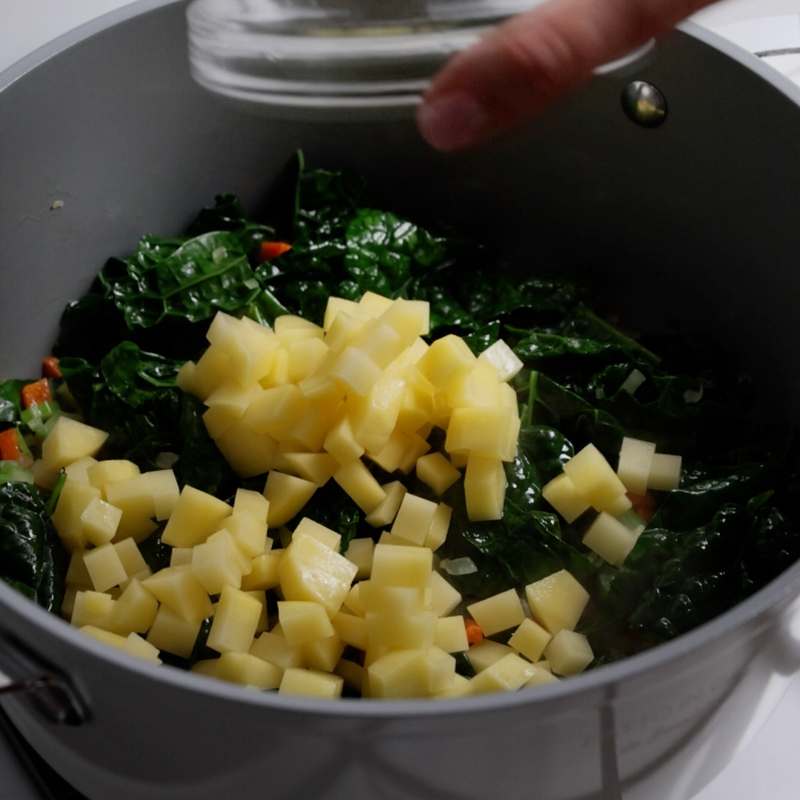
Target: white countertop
(768, 768)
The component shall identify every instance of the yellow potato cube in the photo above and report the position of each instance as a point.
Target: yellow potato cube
(287, 494)
(181, 556)
(483, 655)
(355, 370)
(352, 674)
(498, 612)
(165, 489)
(480, 387)
(484, 488)
(451, 635)
(263, 572)
(386, 510)
(409, 318)
(351, 629)
(275, 411)
(218, 562)
(610, 539)
(75, 497)
(248, 670)
(100, 521)
(196, 516)
(446, 361)
(77, 574)
(373, 304)
(416, 407)
(437, 472)
(392, 599)
(250, 347)
(414, 518)
(247, 452)
(540, 677)
(104, 567)
(235, 621)
(311, 683)
(305, 355)
(594, 477)
(665, 472)
(557, 601)
(210, 371)
(70, 440)
(635, 458)
(231, 399)
(137, 646)
(394, 565)
(444, 597)
(361, 485)
(379, 341)
(315, 467)
(274, 648)
(94, 608)
(341, 333)
(503, 359)
(483, 431)
(172, 633)
(569, 653)
(334, 306)
(324, 654)
(440, 525)
(179, 590)
(311, 571)
(374, 415)
(136, 608)
(561, 493)
(79, 470)
(291, 328)
(303, 621)
(253, 502)
(505, 675)
(100, 473)
(341, 443)
(401, 630)
(530, 639)
(360, 553)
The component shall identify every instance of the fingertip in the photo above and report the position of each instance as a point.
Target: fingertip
(453, 121)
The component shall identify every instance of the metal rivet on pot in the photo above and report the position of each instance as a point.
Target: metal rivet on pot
(644, 104)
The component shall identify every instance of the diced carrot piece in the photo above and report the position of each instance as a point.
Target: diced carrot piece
(9, 445)
(474, 632)
(643, 504)
(270, 250)
(50, 367)
(35, 393)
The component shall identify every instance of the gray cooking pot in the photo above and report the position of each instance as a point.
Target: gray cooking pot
(104, 136)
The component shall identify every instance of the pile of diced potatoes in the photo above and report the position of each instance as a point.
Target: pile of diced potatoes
(306, 404)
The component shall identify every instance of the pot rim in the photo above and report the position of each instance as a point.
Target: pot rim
(749, 614)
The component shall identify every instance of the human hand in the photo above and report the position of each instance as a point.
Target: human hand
(529, 61)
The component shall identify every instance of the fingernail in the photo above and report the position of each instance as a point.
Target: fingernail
(452, 121)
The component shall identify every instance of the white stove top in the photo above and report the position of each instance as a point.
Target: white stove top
(768, 767)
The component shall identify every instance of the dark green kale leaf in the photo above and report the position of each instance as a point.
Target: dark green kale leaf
(31, 555)
(10, 400)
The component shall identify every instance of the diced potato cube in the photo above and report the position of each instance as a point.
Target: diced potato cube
(218, 562)
(530, 639)
(315, 467)
(70, 440)
(498, 612)
(341, 443)
(635, 458)
(409, 318)
(402, 674)
(380, 342)
(72, 502)
(401, 630)
(311, 683)
(561, 493)
(247, 452)
(440, 525)
(394, 565)
(303, 621)
(355, 370)
(569, 653)
(503, 359)
(136, 608)
(360, 553)
(451, 635)
(540, 677)
(100, 473)
(287, 494)
(77, 574)
(400, 600)
(94, 608)
(386, 510)
(235, 621)
(446, 361)
(291, 328)
(228, 403)
(79, 470)
(610, 538)
(181, 556)
(275, 411)
(484, 488)
(252, 502)
(665, 472)
(305, 355)
(352, 630)
(351, 673)
(594, 477)
(248, 670)
(373, 304)
(485, 431)
(179, 590)
(196, 516)
(557, 601)
(166, 492)
(172, 633)
(100, 521)
(274, 648)
(210, 371)
(414, 518)
(132, 559)
(324, 654)
(480, 387)
(341, 333)
(361, 485)
(505, 675)
(334, 306)
(263, 572)
(327, 536)
(444, 597)
(374, 415)
(104, 567)
(437, 472)
(311, 571)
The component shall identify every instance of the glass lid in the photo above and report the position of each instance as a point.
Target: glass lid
(345, 55)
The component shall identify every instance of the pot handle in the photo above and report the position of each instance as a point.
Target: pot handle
(49, 692)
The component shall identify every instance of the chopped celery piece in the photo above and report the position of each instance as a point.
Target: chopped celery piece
(11, 472)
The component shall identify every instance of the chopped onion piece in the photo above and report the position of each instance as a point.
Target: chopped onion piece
(633, 381)
(166, 460)
(693, 395)
(458, 566)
